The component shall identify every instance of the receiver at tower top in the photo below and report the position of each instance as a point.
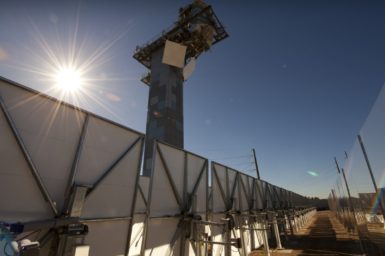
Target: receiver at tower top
(197, 27)
(170, 58)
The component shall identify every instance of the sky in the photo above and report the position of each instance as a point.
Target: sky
(295, 79)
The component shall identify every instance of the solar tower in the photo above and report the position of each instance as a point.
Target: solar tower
(170, 59)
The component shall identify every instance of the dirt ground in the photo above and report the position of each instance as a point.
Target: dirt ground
(323, 235)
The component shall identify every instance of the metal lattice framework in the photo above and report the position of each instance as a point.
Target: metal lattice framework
(182, 178)
(184, 31)
(72, 178)
(66, 173)
(181, 33)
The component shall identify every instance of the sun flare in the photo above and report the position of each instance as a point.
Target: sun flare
(68, 79)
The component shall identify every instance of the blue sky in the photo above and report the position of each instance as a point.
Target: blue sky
(295, 80)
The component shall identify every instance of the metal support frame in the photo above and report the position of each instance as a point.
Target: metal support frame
(220, 186)
(228, 239)
(68, 221)
(267, 196)
(230, 201)
(169, 178)
(259, 191)
(250, 201)
(184, 201)
(230, 188)
(225, 223)
(65, 241)
(76, 160)
(276, 197)
(129, 231)
(142, 54)
(142, 195)
(290, 218)
(112, 166)
(371, 174)
(28, 158)
(240, 220)
(261, 219)
(273, 197)
(276, 232)
(75, 163)
(350, 202)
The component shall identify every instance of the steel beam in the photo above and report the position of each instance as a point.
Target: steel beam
(28, 158)
(137, 187)
(170, 179)
(75, 162)
(112, 166)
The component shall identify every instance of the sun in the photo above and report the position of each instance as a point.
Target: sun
(68, 79)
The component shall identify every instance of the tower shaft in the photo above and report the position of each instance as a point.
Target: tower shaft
(165, 107)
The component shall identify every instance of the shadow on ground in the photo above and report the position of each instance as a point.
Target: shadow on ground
(323, 235)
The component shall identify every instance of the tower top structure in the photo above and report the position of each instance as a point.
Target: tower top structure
(197, 28)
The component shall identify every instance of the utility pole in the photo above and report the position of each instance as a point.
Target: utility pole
(256, 164)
